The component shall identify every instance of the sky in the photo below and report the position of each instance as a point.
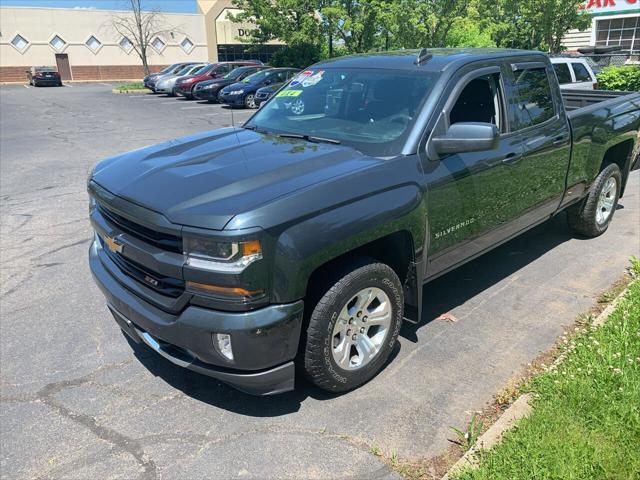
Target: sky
(180, 6)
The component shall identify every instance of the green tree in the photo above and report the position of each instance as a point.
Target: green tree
(539, 24)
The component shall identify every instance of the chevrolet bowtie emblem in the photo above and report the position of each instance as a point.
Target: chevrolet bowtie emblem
(113, 243)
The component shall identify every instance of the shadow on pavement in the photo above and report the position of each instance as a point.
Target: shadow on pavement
(213, 392)
(441, 296)
(457, 287)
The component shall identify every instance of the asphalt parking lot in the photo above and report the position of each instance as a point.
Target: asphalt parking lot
(78, 401)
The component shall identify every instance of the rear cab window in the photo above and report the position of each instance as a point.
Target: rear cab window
(563, 73)
(581, 72)
(533, 98)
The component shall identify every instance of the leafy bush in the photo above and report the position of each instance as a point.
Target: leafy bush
(624, 78)
(299, 55)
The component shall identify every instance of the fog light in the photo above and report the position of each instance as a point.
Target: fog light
(223, 343)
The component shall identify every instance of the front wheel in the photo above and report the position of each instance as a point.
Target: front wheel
(250, 101)
(354, 327)
(593, 216)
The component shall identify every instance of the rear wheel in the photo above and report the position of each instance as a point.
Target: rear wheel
(593, 216)
(250, 101)
(353, 327)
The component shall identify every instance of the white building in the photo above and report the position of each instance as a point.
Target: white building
(84, 46)
(615, 23)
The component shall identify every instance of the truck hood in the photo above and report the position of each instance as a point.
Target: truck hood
(205, 180)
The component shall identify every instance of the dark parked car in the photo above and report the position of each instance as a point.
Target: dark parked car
(184, 86)
(242, 94)
(209, 89)
(150, 80)
(305, 240)
(39, 76)
(265, 93)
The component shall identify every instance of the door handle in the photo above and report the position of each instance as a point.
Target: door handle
(560, 140)
(511, 158)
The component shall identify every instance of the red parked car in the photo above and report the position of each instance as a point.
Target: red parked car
(184, 86)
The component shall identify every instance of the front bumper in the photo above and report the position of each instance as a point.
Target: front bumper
(184, 90)
(264, 341)
(233, 100)
(206, 94)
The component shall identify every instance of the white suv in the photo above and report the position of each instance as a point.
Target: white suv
(574, 73)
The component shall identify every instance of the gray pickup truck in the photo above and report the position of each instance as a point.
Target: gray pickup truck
(302, 239)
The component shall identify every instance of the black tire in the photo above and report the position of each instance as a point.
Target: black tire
(582, 218)
(319, 364)
(249, 101)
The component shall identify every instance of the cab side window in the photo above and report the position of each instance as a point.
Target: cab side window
(479, 101)
(534, 103)
(562, 72)
(581, 73)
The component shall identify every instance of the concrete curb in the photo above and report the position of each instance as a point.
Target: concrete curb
(602, 316)
(520, 408)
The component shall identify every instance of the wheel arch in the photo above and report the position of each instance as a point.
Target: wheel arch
(619, 154)
(389, 227)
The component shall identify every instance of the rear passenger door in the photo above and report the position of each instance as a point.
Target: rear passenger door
(538, 117)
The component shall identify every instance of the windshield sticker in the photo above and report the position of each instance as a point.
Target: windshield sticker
(312, 79)
(300, 76)
(289, 93)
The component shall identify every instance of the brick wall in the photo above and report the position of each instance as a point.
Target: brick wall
(84, 72)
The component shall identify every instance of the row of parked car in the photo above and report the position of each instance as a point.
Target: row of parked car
(238, 84)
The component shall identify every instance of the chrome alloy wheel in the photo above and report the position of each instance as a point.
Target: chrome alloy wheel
(361, 328)
(606, 201)
(297, 107)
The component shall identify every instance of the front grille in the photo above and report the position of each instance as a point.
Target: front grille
(162, 240)
(168, 286)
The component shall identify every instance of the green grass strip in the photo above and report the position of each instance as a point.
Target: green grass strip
(586, 418)
(127, 87)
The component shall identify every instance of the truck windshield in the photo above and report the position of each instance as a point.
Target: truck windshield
(371, 110)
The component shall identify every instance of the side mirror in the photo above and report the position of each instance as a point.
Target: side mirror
(467, 137)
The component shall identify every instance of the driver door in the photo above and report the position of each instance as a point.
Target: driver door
(469, 194)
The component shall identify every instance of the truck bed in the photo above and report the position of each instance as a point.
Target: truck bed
(576, 99)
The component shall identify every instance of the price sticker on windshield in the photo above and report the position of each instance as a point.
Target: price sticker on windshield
(289, 93)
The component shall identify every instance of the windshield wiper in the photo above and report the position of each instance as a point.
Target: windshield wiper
(309, 138)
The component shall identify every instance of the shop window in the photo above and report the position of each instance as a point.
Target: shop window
(622, 32)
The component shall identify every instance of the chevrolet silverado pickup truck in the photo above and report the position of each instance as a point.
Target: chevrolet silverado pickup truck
(300, 241)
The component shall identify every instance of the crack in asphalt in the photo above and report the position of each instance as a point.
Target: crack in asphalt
(120, 442)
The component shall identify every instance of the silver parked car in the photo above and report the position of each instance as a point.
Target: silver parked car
(166, 83)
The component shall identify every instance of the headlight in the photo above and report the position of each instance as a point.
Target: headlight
(224, 257)
(236, 92)
(208, 87)
(92, 203)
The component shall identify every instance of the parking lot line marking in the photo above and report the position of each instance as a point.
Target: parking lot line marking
(106, 84)
(67, 85)
(26, 86)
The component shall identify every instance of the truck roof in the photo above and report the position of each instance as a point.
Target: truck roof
(440, 58)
